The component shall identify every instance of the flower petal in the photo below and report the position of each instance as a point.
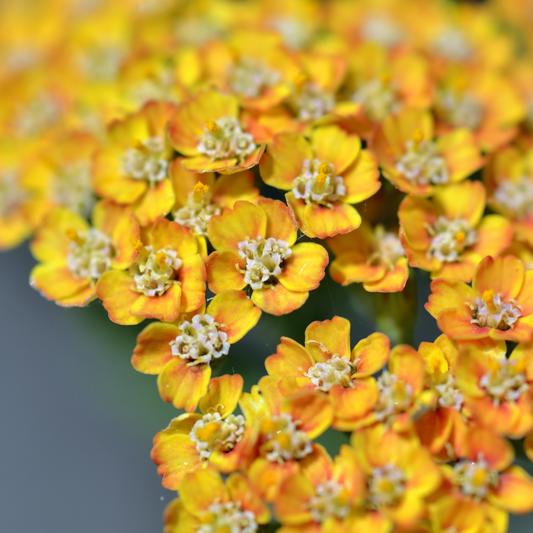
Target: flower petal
(279, 222)
(241, 490)
(371, 354)
(165, 307)
(333, 145)
(222, 273)
(457, 324)
(361, 178)
(277, 300)
(290, 359)
(514, 492)
(503, 275)
(223, 394)
(352, 267)
(328, 338)
(304, 269)
(448, 294)
(55, 281)
(393, 281)
(292, 503)
(408, 366)
(156, 202)
(166, 233)
(230, 188)
(313, 410)
(330, 221)
(201, 489)
(191, 276)
(152, 351)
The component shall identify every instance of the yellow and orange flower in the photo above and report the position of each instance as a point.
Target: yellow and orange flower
(400, 474)
(255, 249)
(206, 501)
(168, 277)
(448, 234)
(74, 255)
(324, 178)
(509, 180)
(287, 427)
(373, 257)
(414, 162)
(499, 304)
(182, 353)
(327, 364)
(132, 168)
(208, 131)
(215, 436)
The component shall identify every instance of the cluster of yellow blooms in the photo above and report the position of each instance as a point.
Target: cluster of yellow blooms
(171, 123)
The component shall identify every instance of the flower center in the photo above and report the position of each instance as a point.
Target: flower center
(250, 77)
(395, 397)
(490, 311)
(331, 500)
(155, 271)
(296, 33)
(475, 479)
(37, 115)
(449, 394)
(101, 63)
(227, 517)
(388, 248)
(318, 184)
(421, 163)
(12, 196)
(72, 188)
(506, 380)
(460, 110)
(310, 102)
(516, 196)
(263, 260)
(146, 161)
(335, 371)
(450, 238)
(224, 139)
(201, 340)
(383, 31)
(379, 99)
(284, 442)
(213, 433)
(90, 254)
(198, 211)
(386, 486)
(452, 44)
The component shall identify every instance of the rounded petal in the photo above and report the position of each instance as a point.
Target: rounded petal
(503, 275)
(494, 235)
(333, 145)
(230, 188)
(55, 281)
(448, 294)
(457, 324)
(156, 202)
(290, 359)
(279, 221)
(223, 271)
(241, 490)
(408, 366)
(330, 221)
(277, 300)
(183, 182)
(328, 338)
(361, 178)
(371, 355)
(166, 233)
(191, 276)
(165, 307)
(496, 451)
(152, 351)
(178, 520)
(201, 489)
(514, 492)
(304, 269)
(223, 394)
(394, 280)
(352, 267)
(312, 409)
(292, 503)
(464, 200)
(297, 208)
(350, 405)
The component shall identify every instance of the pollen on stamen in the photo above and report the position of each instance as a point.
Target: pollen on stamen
(200, 188)
(211, 125)
(137, 244)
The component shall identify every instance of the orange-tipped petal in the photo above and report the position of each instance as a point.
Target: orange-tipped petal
(496, 451)
(228, 189)
(371, 354)
(223, 394)
(277, 300)
(290, 359)
(333, 145)
(312, 409)
(408, 366)
(201, 489)
(152, 351)
(457, 324)
(394, 280)
(330, 221)
(503, 275)
(352, 267)
(241, 490)
(514, 492)
(297, 207)
(304, 269)
(222, 271)
(292, 503)
(361, 178)
(165, 307)
(327, 338)
(55, 281)
(167, 233)
(279, 222)
(192, 276)
(448, 294)
(350, 405)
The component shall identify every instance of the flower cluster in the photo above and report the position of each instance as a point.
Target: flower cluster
(199, 163)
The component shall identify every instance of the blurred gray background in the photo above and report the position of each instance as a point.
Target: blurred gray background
(77, 421)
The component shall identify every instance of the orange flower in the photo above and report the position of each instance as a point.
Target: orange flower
(448, 234)
(327, 365)
(400, 474)
(182, 353)
(74, 255)
(205, 501)
(255, 248)
(215, 436)
(324, 177)
(374, 257)
(414, 162)
(287, 427)
(133, 167)
(321, 495)
(167, 278)
(499, 304)
(207, 130)
(498, 391)
(509, 180)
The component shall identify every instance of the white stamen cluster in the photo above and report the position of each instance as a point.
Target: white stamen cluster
(72, 188)
(101, 63)
(324, 190)
(249, 77)
(146, 161)
(90, 254)
(449, 394)
(11, 194)
(200, 340)
(395, 397)
(329, 501)
(516, 196)
(379, 99)
(227, 516)
(335, 371)
(386, 486)
(296, 33)
(475, 478)
(495, 313)
(460, 110)
(388, 248)
(450, 238)
(155, 274)
(506, 382)
(310, 102)
(383, 31)
(286, 442)
(197, 213)
(226, 140)
(452, 44)
(213, 433)
(263, 260)
(421, 164)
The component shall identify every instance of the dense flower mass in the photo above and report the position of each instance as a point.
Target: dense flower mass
(200, 164)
